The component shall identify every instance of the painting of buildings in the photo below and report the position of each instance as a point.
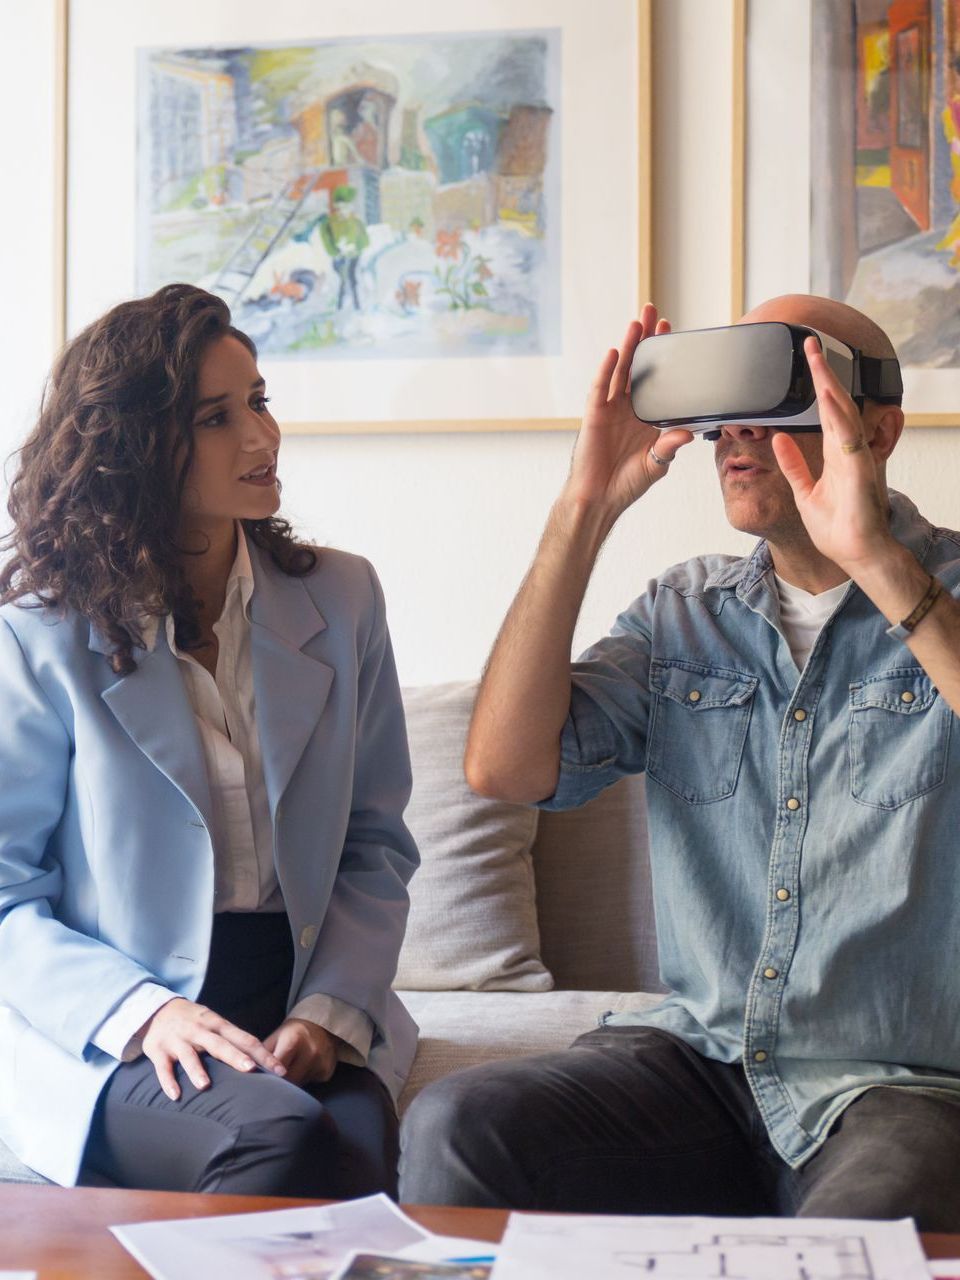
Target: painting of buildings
(388, 197)
(885, 165)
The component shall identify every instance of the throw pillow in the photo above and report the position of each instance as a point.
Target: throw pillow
(473, 915)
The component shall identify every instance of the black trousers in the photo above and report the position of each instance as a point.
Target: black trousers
(632, 1120)
(248, 1133)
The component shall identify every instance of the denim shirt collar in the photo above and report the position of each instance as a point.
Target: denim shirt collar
(907, 525)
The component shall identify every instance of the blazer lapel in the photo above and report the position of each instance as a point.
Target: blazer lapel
(152, 706)
(290, 688)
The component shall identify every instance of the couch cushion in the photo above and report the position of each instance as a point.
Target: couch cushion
(594, 895)
(473, 915)
(462, 1029)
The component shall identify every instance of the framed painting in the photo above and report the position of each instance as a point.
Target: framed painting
(849, 177)
(428, 217)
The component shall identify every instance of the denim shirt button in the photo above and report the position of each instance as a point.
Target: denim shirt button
(694, 695)
(760, 1055)
(793, 803)
(907, 696)
(771, 973)
(799, 714)
(783, 895)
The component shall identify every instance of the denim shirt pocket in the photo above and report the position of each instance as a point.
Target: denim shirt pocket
(698, 727)
(898, 737)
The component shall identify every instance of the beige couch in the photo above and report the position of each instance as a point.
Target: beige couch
(524, 926)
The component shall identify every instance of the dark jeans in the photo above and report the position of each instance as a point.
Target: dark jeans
(632, 1120)
(247, 1134)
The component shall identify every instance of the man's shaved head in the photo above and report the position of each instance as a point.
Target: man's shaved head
(836, 318)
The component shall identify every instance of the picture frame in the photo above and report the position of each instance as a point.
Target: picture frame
(130, 210)
(833, 122)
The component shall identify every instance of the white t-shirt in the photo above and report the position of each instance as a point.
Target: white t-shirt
(802, 615)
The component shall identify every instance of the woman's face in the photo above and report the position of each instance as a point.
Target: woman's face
(234, 470)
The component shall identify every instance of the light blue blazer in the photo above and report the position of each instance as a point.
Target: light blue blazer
(106, 862)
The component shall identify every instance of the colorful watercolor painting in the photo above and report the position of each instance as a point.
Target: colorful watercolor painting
(372, 197)
(885, 160)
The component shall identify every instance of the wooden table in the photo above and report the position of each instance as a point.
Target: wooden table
(62, 1233)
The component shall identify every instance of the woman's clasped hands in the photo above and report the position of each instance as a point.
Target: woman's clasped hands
(181, 1031)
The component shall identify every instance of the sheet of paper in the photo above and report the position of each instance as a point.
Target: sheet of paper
(450, 1249)
(380, 1266)
(564, 1247)
(945, 1268)
(295, 1243)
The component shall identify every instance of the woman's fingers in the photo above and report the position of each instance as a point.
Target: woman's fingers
(181, 1030)
(190, 1061)
(187, 1053)
(249, 1046)
(219, 1047)
(289, 1045)
(163, 1065)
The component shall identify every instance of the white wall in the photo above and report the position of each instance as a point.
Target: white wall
(452, 521)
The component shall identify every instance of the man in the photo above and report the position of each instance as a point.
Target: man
(802, 781)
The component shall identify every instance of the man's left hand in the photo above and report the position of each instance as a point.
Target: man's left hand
(307, 1050)
(845, 509)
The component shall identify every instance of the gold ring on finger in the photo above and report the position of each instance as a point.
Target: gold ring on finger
(855, 447)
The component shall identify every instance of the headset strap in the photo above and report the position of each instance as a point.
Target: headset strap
(880, 378)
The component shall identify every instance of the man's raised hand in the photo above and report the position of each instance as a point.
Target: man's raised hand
(844, 509)
(615, 459)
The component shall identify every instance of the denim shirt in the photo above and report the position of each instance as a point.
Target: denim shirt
(804, 831)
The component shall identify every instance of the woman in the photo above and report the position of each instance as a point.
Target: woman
(204, 766)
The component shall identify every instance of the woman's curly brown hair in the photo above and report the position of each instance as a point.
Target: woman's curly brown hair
(96, 500)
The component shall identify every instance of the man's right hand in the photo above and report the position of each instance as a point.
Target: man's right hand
(513, 747)
(612, 464)
(181, 1030)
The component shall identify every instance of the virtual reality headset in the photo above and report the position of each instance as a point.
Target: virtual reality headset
(752, 373)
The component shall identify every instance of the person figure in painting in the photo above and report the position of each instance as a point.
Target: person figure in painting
(343, 150)
(803, 786)
(366, 133)
(202, 856)
(344, 237)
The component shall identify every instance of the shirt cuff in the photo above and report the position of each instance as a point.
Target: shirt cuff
(116, 1034)
(349, 1024)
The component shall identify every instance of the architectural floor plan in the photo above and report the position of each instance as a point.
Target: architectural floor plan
(749, 1255)
(567, 1247)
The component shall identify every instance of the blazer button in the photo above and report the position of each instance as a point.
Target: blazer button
(308, 936)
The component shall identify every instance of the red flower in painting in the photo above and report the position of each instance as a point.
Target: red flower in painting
(408, 295)
(448, 244)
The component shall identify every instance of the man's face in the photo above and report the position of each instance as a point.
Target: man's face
(756, 495)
